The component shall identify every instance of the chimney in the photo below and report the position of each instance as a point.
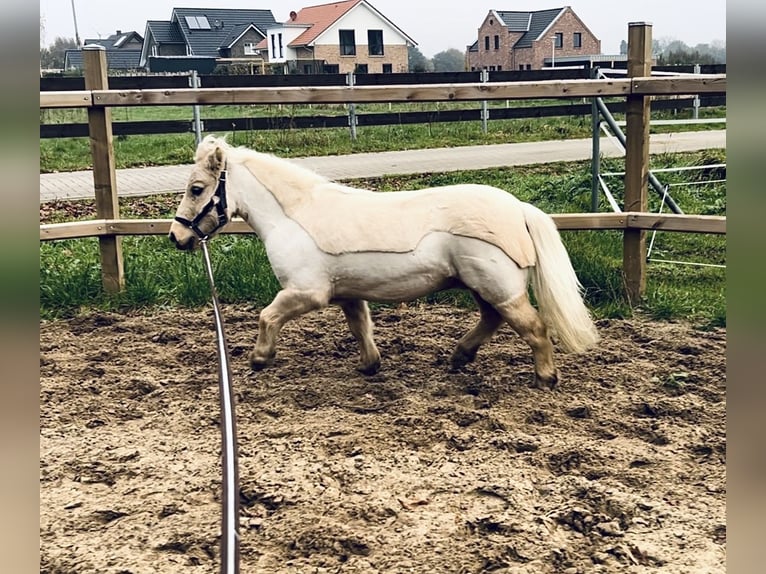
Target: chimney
(293, 15)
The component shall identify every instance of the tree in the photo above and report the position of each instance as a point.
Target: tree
(417, 61)
(53, 55)
(450, 60)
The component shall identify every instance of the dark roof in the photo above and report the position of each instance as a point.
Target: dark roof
(115, 41)
(115, 59)
(474, 47)
(234, 33)
(516, 21)
(164, 32)
(533, 24)
(222, 24)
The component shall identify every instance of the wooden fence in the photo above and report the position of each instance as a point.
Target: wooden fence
(636, 88)
(341, 120)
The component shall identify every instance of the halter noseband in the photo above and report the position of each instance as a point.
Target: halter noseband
(217, 201)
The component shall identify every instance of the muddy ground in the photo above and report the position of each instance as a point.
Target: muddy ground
(416, 469)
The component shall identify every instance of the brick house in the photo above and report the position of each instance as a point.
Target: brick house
(339, 37)
(514, 40)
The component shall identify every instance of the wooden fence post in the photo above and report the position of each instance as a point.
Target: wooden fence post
(637, 160)
(104, 174)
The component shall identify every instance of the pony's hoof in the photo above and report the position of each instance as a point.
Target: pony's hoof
(547, 383)
(370, 369)
(258, 363)
(460, 358)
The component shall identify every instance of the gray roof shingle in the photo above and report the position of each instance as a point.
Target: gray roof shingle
(224, 23)
(533, 24)
(164, 32)
(115, 59)
(115, 41)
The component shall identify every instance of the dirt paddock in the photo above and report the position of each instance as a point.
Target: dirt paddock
(416, 469)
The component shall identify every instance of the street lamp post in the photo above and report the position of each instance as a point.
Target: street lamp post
(76, 32)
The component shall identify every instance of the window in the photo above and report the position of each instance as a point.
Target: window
(559, 41)
(360, 69)
(273, 46)
(347, 43)
(387, 68)
(281, 55)
(577, 40)
(486, 42)
(197, 23)
(331, 68)
(529, 66)
(499, 68)
(250, 49)
(521, 66)
(375, 42)
(497, 42)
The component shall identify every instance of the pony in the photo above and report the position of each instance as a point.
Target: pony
(332, 244)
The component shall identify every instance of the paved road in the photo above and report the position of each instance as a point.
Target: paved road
(172, 179)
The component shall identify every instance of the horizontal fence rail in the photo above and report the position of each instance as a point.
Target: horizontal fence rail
(641, 86)
(129, 82)
(372, 119)
(565, 221)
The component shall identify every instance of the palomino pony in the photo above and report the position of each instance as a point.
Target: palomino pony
(331, 244)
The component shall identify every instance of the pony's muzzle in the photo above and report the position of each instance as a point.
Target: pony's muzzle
(182, 243)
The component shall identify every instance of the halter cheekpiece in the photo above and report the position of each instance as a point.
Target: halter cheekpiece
(217, 201)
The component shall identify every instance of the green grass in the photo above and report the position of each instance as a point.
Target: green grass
(159, 275)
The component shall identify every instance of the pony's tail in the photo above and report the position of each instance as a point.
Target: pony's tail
(556, 287)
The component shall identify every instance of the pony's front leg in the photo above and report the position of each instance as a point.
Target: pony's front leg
(358, 317)
(288, 304)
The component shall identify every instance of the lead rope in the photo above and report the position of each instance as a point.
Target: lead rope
(230, 498)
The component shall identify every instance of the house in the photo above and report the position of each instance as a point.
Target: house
(123, 51)
(515, 40)
(339, 37)
(210, 35)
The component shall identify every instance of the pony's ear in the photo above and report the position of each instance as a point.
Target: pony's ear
(215, 160)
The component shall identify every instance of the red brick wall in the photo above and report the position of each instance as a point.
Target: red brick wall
(396, 55)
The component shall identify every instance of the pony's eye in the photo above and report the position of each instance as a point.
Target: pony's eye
(196, 189)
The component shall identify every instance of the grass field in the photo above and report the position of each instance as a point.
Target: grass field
(159, 275)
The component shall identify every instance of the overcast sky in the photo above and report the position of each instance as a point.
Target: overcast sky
(435, 25)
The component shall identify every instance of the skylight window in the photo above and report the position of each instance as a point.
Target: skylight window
(197, 23)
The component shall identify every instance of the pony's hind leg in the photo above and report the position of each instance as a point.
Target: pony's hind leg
(357, 315)
(525, 320)
(287, 305)
(490, 320)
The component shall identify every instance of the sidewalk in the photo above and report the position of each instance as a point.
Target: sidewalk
(172, 179)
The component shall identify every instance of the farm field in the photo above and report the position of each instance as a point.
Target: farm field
(416, 469)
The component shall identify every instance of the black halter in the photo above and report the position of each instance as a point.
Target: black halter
(217, 201)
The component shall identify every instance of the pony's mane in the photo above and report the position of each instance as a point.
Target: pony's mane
(289, 182)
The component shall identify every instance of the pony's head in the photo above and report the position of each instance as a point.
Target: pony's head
(203, 209)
